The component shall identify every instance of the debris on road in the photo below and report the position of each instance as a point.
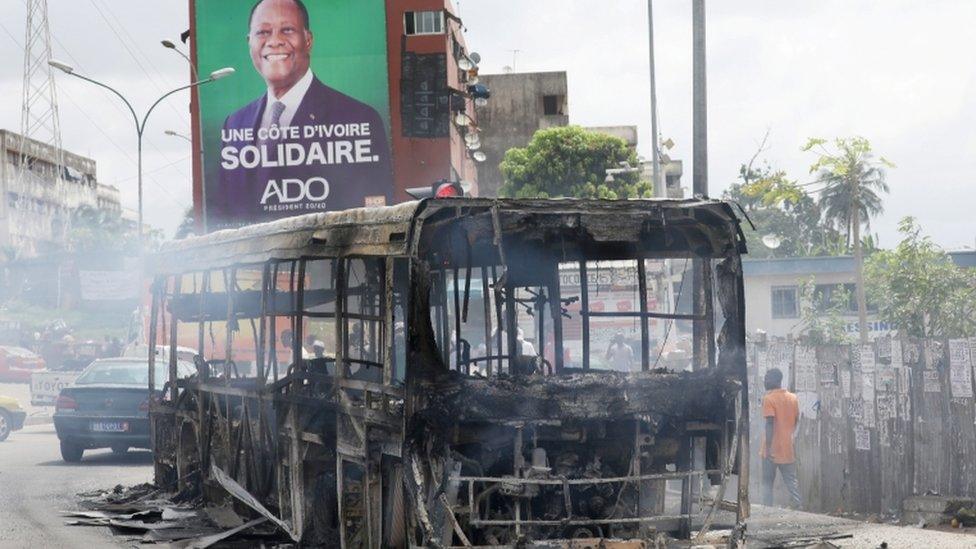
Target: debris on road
(151, 515)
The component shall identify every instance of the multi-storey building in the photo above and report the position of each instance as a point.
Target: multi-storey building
(38, 201)
(521, 104)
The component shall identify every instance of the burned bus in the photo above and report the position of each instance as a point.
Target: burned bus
(463, 372)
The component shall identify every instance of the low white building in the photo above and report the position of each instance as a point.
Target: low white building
(773, 291)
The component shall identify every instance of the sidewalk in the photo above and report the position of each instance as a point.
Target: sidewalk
(775, 527)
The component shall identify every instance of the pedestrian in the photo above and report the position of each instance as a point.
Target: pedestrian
(620, 356)
(782, 412)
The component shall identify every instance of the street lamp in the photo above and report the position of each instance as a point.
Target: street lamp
(141, 125)
(172, 46)
(172, 133)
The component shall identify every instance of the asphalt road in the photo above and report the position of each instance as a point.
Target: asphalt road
(35, 486)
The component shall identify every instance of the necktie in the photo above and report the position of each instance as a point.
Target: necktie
(277, 108)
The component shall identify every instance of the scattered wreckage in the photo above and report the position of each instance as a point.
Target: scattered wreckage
(451, 372)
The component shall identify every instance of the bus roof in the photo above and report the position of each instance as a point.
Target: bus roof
(393, 230)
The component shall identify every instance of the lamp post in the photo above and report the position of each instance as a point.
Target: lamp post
(141, 125)
(198, 162)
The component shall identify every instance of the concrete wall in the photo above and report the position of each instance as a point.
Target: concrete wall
(513, 115)
(627, 133)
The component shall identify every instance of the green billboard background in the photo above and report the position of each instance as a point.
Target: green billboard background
(349, 54)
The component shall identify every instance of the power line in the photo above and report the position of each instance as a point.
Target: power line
(134, 57)
(159, 168)
(112, 99)
(116, 105)
(108, 137)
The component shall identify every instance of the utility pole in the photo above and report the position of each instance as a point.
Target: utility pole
(39, 119)
(659, 188)
(699, 101)
(704, 354)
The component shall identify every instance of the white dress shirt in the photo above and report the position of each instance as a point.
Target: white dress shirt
(292, 99)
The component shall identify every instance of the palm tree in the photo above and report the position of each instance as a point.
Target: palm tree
(854, 180)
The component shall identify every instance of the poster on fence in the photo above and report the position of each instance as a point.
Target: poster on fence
(933, 354)
(868, 418)
(835, 440)
(829, 360)
(887, 382)
(867, 387)
(805, 362)
(862, 438)
(904, 379)
(930, 381)
(830, 402)
(886, 407)
(910, 353)
(867, 358)
(884, 349)
(905, 406)
(960, 369)
(884, 434)
(855, 410)
(809, 403)
(897, 359)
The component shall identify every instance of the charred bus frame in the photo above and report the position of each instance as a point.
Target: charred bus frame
(388, 428)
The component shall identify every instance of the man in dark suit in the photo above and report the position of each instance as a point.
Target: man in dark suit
(303, 146)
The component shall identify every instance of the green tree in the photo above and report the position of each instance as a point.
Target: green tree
(853, 180)
(920, 289)
(188, 226)
(779, 206)
(572, 162)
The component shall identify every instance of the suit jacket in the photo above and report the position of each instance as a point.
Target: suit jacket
(237, 200)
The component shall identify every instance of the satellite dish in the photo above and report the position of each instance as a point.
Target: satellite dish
(471, 137)
(462, 119)
(772, 241)
(507, 69)
(465, 64)
(474, 146)
(481, 102)
(475, 57)
(480, 156)
(472, 80)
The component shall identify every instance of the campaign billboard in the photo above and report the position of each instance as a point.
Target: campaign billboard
(304, 124)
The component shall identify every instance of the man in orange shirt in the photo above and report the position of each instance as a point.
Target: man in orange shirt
(782, 411)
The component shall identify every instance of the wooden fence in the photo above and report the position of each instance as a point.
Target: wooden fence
(879, 422)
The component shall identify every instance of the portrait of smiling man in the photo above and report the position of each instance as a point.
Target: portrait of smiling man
(301, 146)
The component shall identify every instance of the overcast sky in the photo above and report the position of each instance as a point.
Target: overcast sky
(898, 72)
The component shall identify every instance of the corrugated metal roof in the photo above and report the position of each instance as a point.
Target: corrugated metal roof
(825, 264)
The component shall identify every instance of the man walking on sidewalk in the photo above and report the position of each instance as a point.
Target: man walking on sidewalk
(782, 412)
